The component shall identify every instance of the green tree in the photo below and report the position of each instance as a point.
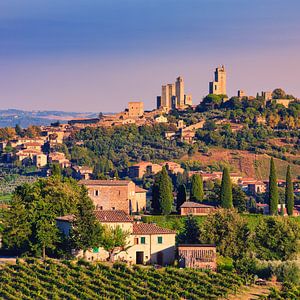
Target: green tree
(56, 170)
(289, 192)
(86, 230)
(162, 196)
(17, 227)
(196, 192)
(226, 190)
(191, 231)
(181, 196)
(114, 240)
(276, 238)
(229, 231)
(239, 198)
(273, 189)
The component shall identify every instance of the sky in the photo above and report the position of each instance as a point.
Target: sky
(97, 55)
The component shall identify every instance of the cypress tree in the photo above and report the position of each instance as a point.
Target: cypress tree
(165, 193)
(273, 189)
(155, 205)
(181, 196)
(226, 190)
(289, 192)
(196, 192)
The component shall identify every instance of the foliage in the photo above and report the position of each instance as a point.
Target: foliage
(229, 231)
(273, 189)
(239, 198)
(276, 238)
(197, 192)
(191, 231)
(289, 192)
(226, 190)
(181, 196)
(70, 280)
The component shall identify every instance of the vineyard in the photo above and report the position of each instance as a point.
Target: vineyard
(33, 279)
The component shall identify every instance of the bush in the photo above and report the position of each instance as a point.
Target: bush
(224, 263)
(288, 271)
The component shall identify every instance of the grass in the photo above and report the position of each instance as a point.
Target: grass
(5, 198)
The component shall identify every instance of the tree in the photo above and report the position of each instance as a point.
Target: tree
(17, 227)
(191, 231)
(181, 196)
(239, 198)
(196, 192)
(56, 170)
(229, 231)
(276, 238)
(226, 190)
(289, 192)
(86, 230)
(18, 130)
(114, 240)
(278, 94)
(162, 196)
(273, 189)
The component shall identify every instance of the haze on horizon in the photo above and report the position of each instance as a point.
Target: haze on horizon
(89, 55)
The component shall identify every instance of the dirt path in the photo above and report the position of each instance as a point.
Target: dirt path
(251, 293)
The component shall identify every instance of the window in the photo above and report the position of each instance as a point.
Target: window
(159, 240)
(96, 193)
(136, 241)
(143, 240)
(113, 208)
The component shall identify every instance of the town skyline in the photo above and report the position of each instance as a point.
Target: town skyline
(99, 56)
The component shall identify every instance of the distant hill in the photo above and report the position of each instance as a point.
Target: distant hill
(11, 117)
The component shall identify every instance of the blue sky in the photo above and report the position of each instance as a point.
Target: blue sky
(94, 55)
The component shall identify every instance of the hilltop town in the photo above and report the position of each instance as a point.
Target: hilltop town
(159, 187)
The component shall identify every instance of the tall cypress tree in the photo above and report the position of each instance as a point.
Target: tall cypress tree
(181, 196)
(226, 190)
(289, 192)
(273, 189)
(155, 205)
(165, 193)
(196, 192)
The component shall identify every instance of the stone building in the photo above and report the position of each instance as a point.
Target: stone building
(196, 209)
(218, 86)
(140, 169)
(116, 195)
(147, 243)
(179, 92)
(135, 109)
(197, 256)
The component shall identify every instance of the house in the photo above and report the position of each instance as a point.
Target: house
(82, 172)
(59, 158)
(257, 187)
(196, 209)
(147, 243)
(197, 256)
(140, 169)
(116, 195)
(40, 160)
(172, 167)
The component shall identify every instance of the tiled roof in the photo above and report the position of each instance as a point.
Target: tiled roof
(112, 216)
(190, 204)
(147, 228)
(105, 182)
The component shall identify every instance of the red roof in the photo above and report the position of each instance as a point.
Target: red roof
(147, 228)
(112, 216)
(190, 204)
(105, 182)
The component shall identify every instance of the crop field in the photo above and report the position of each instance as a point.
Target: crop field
(34, 279)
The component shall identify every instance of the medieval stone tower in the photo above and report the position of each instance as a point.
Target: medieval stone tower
(218, 86)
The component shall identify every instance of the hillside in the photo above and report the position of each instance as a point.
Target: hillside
(245, 162)
(68, 280)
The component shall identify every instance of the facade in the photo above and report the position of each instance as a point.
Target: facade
(116, 195)
(40, 160)
(197, 256)
(218, 86)
(140, 169)
(179, 92)
(82, 172)
(167, 95)
(188, 100)
(196, 209)
(135, 109)
(284, 102)
(147, 243)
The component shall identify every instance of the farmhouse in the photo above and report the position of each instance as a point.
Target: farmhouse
(196, 209)
(147, 243)
(116, 195)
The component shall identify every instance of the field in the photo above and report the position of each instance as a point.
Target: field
(244, 162)
(33, 279)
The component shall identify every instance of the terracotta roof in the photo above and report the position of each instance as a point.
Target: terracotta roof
(67, 218)
(112, 216)
(105, 182)
(196, 245)
(140, 190)
(32, 144)
(189, 204)
(147, 228)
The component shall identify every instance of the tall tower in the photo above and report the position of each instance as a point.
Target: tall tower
(180, 91)
(218, 86)
(167, 94)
